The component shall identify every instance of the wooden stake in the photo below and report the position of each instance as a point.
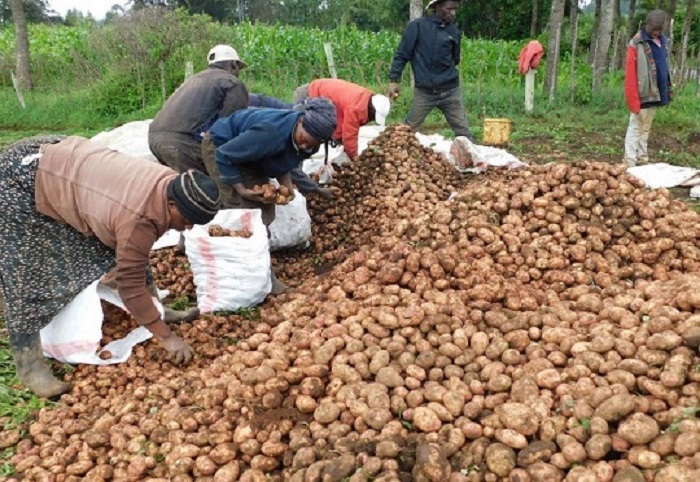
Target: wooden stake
(329, 56)
(530, 90)
(162, 81)
(18, 90)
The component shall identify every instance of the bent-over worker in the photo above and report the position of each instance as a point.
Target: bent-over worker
(302, 181)
(175, 135)
(72, 211)
(355, 105)
(251, 146)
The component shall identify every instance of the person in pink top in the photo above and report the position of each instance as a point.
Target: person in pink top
(72, 211)
(355, 106)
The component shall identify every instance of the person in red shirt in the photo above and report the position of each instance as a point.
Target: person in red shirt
(355, 106)
(647, 84)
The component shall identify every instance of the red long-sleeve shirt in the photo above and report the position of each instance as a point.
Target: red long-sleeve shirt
(352, 106)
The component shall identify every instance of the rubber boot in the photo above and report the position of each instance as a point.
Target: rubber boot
(277, 286)
(32, 369)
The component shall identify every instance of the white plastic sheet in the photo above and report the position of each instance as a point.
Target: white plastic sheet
(230, 272)
(73, 336)
(662, 175)
(469, 157)
(130, 138)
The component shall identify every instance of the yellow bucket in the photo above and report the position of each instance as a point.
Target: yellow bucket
(496, 132)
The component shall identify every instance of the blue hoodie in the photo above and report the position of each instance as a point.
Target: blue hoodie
(258, 139)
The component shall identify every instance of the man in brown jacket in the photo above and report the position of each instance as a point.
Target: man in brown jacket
(176, 133)
(71, 209)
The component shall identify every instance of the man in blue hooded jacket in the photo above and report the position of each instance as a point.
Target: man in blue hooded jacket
(251, 146)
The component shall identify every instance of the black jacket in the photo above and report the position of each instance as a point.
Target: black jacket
(201, 100)
(433, 49)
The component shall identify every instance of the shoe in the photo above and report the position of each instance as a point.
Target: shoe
(630, 162)
(32, 369)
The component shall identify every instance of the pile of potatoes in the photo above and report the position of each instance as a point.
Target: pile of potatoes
(171, 271)
(543, 325)
(218, 231)
(392, 178)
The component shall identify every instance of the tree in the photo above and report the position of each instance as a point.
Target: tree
(19, 18)
(573, 17)
(670, 13)
(687, 22)
(535, 18)
(594, 34)
(556, 19)
(600, 63)
(618, 36)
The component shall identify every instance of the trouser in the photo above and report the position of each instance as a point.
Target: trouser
(228, 196)
(637, 138)
(448, 101)
(179, 152)
(301, 93)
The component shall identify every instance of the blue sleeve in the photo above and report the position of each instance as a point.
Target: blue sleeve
(303, 181)
(260, 142)
(404, 53)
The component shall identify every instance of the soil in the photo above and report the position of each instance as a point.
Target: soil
(266, 418)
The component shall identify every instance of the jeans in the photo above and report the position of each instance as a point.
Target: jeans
(637, 138)
(449, 102)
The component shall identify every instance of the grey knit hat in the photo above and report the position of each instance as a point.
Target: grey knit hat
(196, 196)
(320, 118)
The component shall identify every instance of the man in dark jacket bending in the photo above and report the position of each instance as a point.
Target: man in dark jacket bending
(176, 133)
(432, 45)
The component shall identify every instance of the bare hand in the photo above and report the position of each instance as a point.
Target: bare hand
(179, 352)
(326, 192)
(251, 195)
(393, 90)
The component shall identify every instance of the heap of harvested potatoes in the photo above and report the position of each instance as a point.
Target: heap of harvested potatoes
(218, 231)
(541, 326)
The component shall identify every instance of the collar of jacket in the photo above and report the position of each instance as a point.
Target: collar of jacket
(643, 35)
(434, 18)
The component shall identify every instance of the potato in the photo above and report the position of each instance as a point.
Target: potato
(638, 429)
(500, 459)
(426, 420)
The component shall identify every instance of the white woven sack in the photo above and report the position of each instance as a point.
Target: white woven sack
(292, 225)
(230, 272)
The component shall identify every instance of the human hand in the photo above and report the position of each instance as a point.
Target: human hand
(326, 192)
(393, 90)
(251, 195)
(178, 351)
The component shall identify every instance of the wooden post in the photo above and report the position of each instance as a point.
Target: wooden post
(162, 81)
(18, 90)
(530, 90)
(329, 56)
(189, 69)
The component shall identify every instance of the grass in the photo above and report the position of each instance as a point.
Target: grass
(17, 405)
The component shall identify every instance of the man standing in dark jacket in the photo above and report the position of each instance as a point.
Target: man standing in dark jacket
(176, 133)
(432, 45)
